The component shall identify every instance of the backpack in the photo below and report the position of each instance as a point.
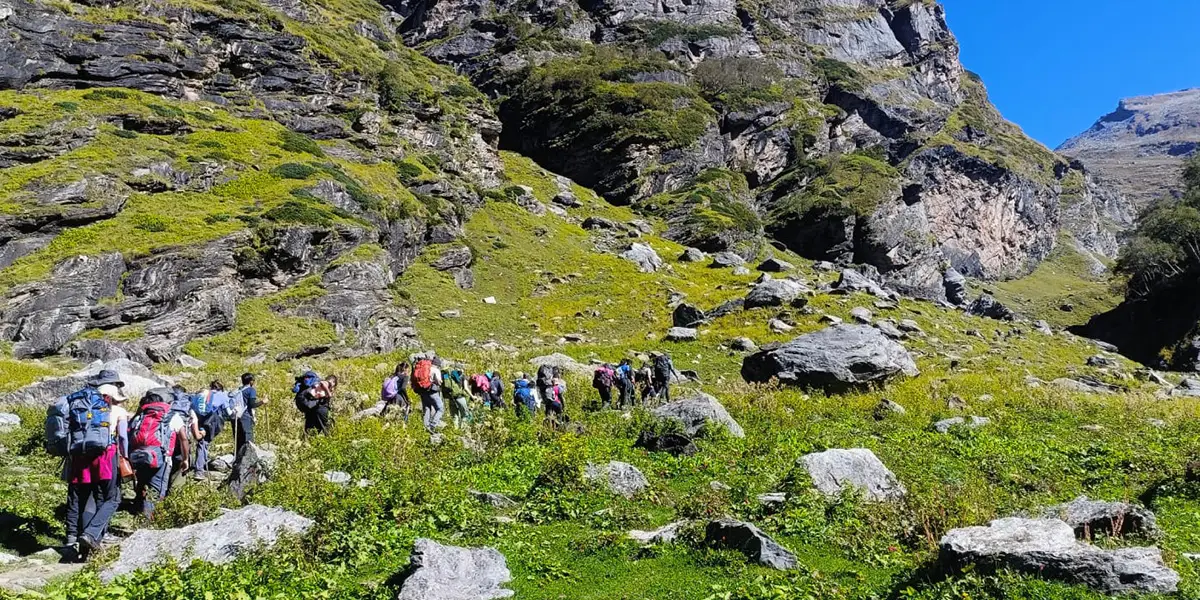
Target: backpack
(305, 382)
(545, 376)
(237, 403)
(523, 392)
(57, 428)
(481, 383)
(88, 420)
(389, 395)
(603, 379)
(662, 366)
(422, 379)
(151, 441)
(210, 405)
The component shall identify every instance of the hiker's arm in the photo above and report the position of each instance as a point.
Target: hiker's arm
(123, 437)
(185, 446)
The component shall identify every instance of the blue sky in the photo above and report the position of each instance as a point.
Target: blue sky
(1055, 66)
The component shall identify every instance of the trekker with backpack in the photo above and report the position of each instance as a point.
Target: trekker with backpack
(426, 382)
(623, 380)
(496, 393)
(181, 458)
(395, 391)
(644, 380)
(454, 388)
(314, 397)
(603, 380)
(99, 437)
(661, 377)
(480, 386)
(545, 380)
(553, 401)
(212, 409)
(524, 398)
(244, 402)
(58, 442)
(154, 430)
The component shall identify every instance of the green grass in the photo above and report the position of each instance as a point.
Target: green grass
(1065, 277)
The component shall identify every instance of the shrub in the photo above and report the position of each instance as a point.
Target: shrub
(408, 172)
(840, 75)
(299, 143)
(165, 111)
(150, 223)
(301, 210)
(105, 94)
(735, 75)
(125, 133)
(67, 106)
(293, 171)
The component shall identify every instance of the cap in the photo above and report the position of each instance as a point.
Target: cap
(111, 391)
(106, 377)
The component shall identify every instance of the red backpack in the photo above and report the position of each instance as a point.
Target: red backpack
(151, 441)
(423, 375)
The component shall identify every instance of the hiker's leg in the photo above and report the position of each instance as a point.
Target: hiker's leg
(201, 463)
(141, 479)
(323, 419)
(177, 477)
(108, 497)
(666, 389)
(156, 490)
(74, 511)
(439, 410)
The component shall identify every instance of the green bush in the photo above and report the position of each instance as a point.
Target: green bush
(299, 143)
(106, 94)
(125, 133)
(165, 111)
(67, 106)
(408, 172)
(294, 171)
(301, 210)
(840, 75)
(151, 223)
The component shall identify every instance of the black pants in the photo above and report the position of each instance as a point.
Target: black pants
(625, 394)
(245, 432)
(605, 397)
(316, 420)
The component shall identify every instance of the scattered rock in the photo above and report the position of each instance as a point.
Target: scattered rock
(772, 500)
(740, 271)
(717, 486)
(438, 572)
(682, 334)
(663, 535)
(686, 315)
(743, 344)
(9, 421)
(725, 260)
(956, 402)
(945, 425)
(886, 408)
(1085, 385)
(1102, 362)
(862, 315)
(494, 499)
(190, 362)
(836, 358)
(254, 465)
(775, 265)
(692, 255)
(595, 223)
(888, 328)
(988, 307)
(1089, 517)
(567, 199)
(910, 326)
(776, 292)
(831, 319)
(853, 281)
(489, 300)
(620, 478)
(955, 286)
(644, 257)
(695, 411)
(451, 314)
(1043, 328)
(779, 326)
(340, 478)
(217, 541)
(835, 470)
(1048, 548)
(751, 541)
(1188, 388)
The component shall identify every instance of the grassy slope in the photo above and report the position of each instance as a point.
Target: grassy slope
(567, 539)
(1064, 278)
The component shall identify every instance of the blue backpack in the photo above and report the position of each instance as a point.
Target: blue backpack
(58, 428)
(523, 392)
(88, 421)
(211, 403)
(308, 380)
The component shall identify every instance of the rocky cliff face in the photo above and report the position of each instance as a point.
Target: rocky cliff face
(169, 168)
(1140, 147)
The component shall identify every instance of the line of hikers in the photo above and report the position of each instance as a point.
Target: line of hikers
(103, 443)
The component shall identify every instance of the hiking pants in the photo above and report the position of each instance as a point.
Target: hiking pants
(77, 500)
(212, 427)
(431, 410)
(317, 420)
(625, 394)
(605, 397)
(106, 494)
(459, 411)
(176, 478)
(245, 432)
(151, 486)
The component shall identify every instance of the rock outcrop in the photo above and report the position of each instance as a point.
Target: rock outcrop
(751, 541)
(837, 470)
(619, 478)
(217, 541)
(697, 410)
(440, 572)
(1048, 548)
(1091, 517)
(836, 358)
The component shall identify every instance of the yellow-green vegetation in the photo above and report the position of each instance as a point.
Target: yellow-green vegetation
(266, 172)
(712, 213)
(269, 324)
(846, 184)
(1065, 278)
(1005, 144)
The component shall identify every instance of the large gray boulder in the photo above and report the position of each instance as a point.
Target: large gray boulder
(695, 411)
(836, 470)
(725, 260)
(988, 307)
(751, 541)
(686, 315)
(253, 465)
(561, 361)
(774, 292)
(836, 359)
(438, 572)
(217, 541)
(852, 281)
(1048, 548)
(137, 378)
(1089, 517)
(620, 478)
(642, 255)
(682, 334)
(955, 286)
(9, 421)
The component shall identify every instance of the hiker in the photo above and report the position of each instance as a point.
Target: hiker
(322, 393)
(644, 380)
(312, 403)
(58, 442)
(426, 382)
(603, 380)
(455, 390)
(245, 401)
(153, 431)
(480, 386)
(496, 394)
(99, 438)
(524, 398)
(623, 381)
(554, 400)
(181, 404)
(661, 378)
(395, 391)
(212, 409)
(545, 380)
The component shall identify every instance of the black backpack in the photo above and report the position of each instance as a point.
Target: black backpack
(545, 376)
(662, 366)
